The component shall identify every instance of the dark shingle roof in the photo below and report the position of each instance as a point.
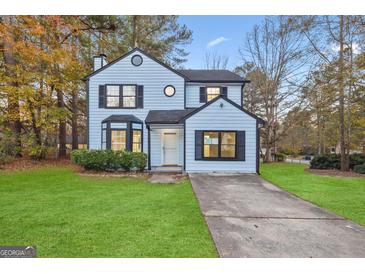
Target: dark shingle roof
(197, 75)
(122, 119)
(166, 116)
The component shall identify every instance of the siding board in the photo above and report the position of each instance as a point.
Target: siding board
(226, 118)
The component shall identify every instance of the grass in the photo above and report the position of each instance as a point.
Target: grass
(67, 215)
(344, 196)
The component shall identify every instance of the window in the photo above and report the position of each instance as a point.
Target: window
(121, 96)
(112, 96)
(122, 135)
(136, 140)
(169, 91)
(212, 92)
(137, 60)
(219, 144)
(118, 139)
(129, 96)
(228, 144)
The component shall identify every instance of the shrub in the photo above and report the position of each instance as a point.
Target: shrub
(325, 161)
(138, 160)
(280, 157)
(359, 169)
(4, 158)
(38, 152)
(356, 159)
(109, 160)
(7, 145)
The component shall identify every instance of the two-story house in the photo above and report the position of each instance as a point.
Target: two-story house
(192, 120)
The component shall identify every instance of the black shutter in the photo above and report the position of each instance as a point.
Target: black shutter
(203, 95)
(140, 96)
(101, 96)
(224, 91)
(198, 144)
(241, 145)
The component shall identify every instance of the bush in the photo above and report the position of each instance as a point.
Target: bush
(356, 159)
(101, 160)
(280, 157)
(38, 152)
(4, 158)
(7, 146)
(138, 160)
(325, 161)
(333, 161)
(359, 169)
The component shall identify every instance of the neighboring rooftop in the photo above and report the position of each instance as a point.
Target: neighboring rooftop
(197, 75)
(166, 116)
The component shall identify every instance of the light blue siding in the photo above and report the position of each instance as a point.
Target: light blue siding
(234, 92)
(152, 75)
(215, 117)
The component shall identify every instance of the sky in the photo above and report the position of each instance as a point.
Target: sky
(221, 34)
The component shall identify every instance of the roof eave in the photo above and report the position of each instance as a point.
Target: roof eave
(87, 77)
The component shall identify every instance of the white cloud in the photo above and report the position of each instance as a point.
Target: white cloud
(216, 41)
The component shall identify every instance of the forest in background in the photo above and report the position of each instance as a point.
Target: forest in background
(306, 72)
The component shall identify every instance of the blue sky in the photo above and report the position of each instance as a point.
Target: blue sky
(221, 34)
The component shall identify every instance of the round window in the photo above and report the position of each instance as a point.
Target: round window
(169, 91)
(137, 60)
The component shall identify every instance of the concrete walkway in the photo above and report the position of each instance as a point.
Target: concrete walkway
(249, 217)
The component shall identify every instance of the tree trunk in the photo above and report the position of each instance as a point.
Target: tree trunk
(62, 127)
(268, 158)
(74, 124)
(13, 97)
(344, 162)
(135, 31)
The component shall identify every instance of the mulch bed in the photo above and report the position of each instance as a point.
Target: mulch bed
(25, 163)
(91, 173)
(334, 172)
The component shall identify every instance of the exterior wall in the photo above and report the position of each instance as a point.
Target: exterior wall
(153, 76)
(234, 92)
(157, 143)
(214, 117)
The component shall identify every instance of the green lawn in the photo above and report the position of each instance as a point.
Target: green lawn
(67, 215)
(343, 196)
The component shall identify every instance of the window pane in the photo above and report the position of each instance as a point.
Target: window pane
(211, 144)
(112, 101)
(212, 93)
(137, 126)
(129, 101)
(118, 125)
(129, 90)
(228, 151)
(118, 141)
(136, 147)
(211, 138)
(210, 150)
(112, 90)
(228, 138)
(137, 134)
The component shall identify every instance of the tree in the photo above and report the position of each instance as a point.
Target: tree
(276, 51)
(215, 61)
(335, 40)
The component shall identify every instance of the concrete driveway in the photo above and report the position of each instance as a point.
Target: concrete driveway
(249, 217)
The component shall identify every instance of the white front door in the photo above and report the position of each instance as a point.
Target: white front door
(170, 148)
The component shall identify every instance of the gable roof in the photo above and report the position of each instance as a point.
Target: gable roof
(214, 76)
(260, 120)
(166, 116)
(87, 77)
